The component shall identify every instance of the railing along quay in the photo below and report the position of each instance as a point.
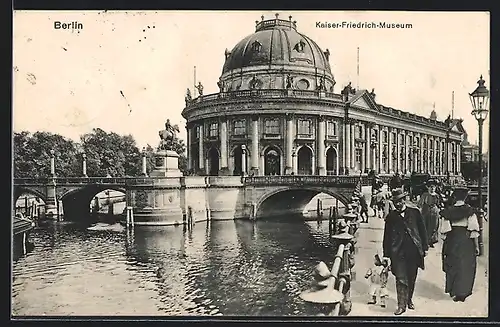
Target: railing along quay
(332, 292)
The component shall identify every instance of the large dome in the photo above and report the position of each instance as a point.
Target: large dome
(276, 42)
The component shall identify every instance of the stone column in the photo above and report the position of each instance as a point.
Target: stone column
(459, 160)
(223, 147)
(398, 152)
(321, 167)
(84, 165)
(368, 134)
(289, 145)
(407, 153)
(52, 163)
(429, 156)
(381, 168)
(363, 149)
(144, 163)
(188, 148)
(255, 145)
(347, 148)
(201, 155)
(352, 138)
(389, 148)
(244, 160)
(421, 152)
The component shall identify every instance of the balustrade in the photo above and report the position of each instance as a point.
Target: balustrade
(301, 180)
(271, 93)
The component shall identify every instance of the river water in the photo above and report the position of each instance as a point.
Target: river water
(217, 268)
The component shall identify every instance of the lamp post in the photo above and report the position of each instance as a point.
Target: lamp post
(144, 163)
(84, 165)
(373, 145)
(52, 163)
(480, 103)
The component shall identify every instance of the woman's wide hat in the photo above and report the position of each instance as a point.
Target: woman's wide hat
(460, 192)
(398, 194)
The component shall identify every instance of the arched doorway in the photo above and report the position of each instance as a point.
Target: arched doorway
(238, 161)
(304, 157)
(272, 162)
(213, 162)
(331, 161)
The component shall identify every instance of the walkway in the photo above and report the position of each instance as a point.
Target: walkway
(429, 299)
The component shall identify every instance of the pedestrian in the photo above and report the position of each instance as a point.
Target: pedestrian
(460, 229)
(380, 199)
(378, 276)
(430, 203)
(389, 206)
(364, 206)
(405, 246)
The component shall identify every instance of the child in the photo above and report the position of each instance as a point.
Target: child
(378, 281)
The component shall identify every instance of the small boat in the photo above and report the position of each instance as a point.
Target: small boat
(21, 228)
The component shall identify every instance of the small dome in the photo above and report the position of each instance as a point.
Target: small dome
(277, 42)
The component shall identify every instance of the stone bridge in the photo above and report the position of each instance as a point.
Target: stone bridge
(74, 192)
(170, 200)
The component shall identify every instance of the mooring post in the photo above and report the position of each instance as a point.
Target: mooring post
(24, 243)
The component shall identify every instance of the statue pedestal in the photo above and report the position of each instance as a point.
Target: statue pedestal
(166, 164)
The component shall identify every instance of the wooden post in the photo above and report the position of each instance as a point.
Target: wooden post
(26, 206)
(24, 243)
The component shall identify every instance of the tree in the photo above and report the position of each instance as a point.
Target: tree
(32, 155)
(470, 170)
(110, 153)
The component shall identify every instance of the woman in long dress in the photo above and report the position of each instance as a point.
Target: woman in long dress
(460, 229)
(430, 203)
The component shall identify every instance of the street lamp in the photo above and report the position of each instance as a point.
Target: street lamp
(84, 165)
(480, 103)
(52, 163)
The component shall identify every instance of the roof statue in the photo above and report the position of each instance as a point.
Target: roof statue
(167, 136)
(188, 97)
(199, 87)
(289, 81)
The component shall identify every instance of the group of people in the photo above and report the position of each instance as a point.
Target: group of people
(411, 229)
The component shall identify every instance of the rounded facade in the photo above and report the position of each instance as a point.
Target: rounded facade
(276, 113)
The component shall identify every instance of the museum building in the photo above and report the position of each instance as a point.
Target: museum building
(276, 113)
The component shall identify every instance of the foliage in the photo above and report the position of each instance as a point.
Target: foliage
(470, 170)
(110, 153)
(32, 155)
(107, 153)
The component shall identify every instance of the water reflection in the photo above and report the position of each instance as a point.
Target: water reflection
(217, 268)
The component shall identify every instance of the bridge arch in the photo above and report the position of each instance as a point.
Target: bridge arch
(292, 200)
(20, 190)
(76, 201)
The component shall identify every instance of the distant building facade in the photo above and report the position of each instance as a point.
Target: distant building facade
(277, 113)
(470, 152)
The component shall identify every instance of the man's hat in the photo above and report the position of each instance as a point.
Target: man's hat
(398, 194)
(431, 181)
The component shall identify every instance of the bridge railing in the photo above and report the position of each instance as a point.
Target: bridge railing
(302, 180)
(72, 180)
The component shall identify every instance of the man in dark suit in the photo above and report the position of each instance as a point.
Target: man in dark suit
(405, 246)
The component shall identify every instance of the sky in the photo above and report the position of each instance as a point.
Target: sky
(71, 81)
